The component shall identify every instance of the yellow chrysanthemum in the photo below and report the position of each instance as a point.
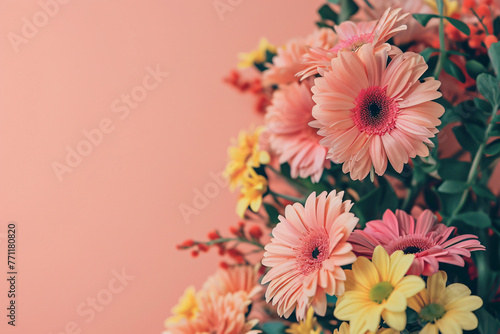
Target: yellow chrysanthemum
(252, 189)
(450, 7)
(308, 326)
(378, 288)
(244, 156)
(258, 56)
(447, 309)
(345, 329)
(187, 308)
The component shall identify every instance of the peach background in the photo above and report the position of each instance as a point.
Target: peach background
(119, 207)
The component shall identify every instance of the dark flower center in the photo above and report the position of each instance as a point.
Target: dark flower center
(315, 253)
(374, 109)
(412, 250)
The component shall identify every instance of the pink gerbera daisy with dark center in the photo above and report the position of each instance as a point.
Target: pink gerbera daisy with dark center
(370, 113)
(308, 248)
(427, 239)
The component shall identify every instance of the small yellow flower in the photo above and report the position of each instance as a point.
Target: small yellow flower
(378, 288)
(254, 186)
(258, 56)
(447, 309)
(450, 7)
(187, 308)
(244, 156)
(345, 329)
(308, 326)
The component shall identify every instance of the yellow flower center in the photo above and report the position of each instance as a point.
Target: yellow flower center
(380, 292)
(432, 312)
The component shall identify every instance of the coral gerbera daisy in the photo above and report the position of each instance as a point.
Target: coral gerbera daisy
(308, 248)
(292, 138)
(378, 289)
(368, 111)
(346, 329)
(219, 314)
(447, 309)
(351, 36)
(427, 239)
(235, 279)
(253, 188)
(246, 154)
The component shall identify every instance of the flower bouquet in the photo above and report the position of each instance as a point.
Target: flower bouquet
(368, 195)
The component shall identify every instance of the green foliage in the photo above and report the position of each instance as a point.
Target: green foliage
(476, 219)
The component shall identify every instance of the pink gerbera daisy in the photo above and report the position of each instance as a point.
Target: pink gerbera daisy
(351, 36)
(368, 111)
(292, 138)
(288, 60)
(308, 248)
(425, 238)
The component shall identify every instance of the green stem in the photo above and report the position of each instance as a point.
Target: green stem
(480, 21)
(471, 177)
(223, 240)
(442, 47)
(287, 197)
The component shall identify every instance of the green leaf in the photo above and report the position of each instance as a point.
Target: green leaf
(483, 191)
(475, 130)
(474, 68)
(432, 199)
(451, 169)
(323, 25)
(426, 53)
(272, 212)
(476, 219)
(327, 13)
(496, 26)
(452, 69)
(459, 25)
(452, 187)
(493, 148)
(482, 105)
(347, 9)
(488, 86)
(494, 54)
(423, 19)
(487, 323)
(464, 139)
(274, 327)
(495, 132)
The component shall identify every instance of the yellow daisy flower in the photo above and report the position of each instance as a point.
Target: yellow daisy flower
(378, 289)
(445, 309)
(244, 156)
(258, 56)
(345, 329)
(308, 326)
(187, 308)
(450, 7)
(254, 186)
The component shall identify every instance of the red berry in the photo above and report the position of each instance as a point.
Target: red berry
(255, 232)
(203, 248)
(194, 253)
(490, 39)
(213, 235)
(223, 265)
